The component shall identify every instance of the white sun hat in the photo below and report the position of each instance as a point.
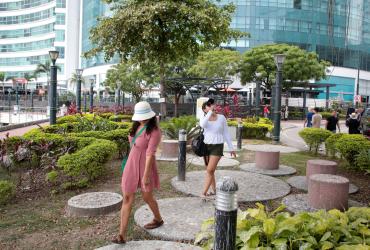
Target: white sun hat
(142, 112)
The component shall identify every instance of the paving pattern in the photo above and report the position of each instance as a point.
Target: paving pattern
(252, 186)
(182, 217)
(300, 182)
(95, 203)
(150, 245)
(270, 147)
(223, 163)
(281, 171)
(299, 203)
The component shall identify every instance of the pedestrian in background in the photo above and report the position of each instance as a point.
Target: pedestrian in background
(266, 111)
(353, 124)
(316, 118)
(308, 121)
(332, 122)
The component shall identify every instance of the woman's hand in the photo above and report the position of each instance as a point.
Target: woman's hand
(145, 182)
(232, 153)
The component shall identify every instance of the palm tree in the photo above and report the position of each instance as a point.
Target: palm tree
(44, 68)
(73, 80)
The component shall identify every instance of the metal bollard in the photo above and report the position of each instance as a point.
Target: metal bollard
(181, 165)
(240, 136)
(226, 214)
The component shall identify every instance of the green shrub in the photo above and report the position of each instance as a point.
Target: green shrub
(258, 229)
(119, 118)
(313, 137)
(326, 115)
(7, 191)
(350, 146)
(253, 130)
(89, 161)
(51, 176)
(330, 144)
(362, 160)
(67, 119)
(105, 115)
(172, 127)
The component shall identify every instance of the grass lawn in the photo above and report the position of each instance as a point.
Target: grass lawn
(40, 222)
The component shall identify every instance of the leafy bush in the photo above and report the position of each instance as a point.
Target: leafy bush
(106, 115)
(326, 115)
(52, 176)
(256, 130)
(350, 146)
(258, 229)
(313, 137)
(172, 127)
(7, 191)
(67, 119)
(87, 162)
(119, 118)
(362, 160)
(330, 144)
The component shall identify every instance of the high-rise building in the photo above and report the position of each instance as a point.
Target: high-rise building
(29, 29)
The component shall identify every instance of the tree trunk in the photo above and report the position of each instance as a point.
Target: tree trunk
(161, 89)
(177, 99)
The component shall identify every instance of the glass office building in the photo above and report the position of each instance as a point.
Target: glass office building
(29, 29)
(337, 30)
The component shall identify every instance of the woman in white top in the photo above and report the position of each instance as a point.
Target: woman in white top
(215, 134)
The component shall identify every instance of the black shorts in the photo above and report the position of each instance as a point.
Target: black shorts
(215, 149)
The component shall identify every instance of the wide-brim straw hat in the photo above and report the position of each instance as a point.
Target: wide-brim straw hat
(143, 112)
(353, 116)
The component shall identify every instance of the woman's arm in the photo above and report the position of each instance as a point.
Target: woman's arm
(227, 136)
(204, 120)
(155, 139)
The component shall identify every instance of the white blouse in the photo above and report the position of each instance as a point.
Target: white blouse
(216, 132)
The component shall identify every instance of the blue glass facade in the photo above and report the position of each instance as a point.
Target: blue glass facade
(92, 9)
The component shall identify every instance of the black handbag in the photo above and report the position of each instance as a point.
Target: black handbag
(198, 145)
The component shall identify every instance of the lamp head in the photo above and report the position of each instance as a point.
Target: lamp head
(79, 72)
(54, 54)
(279, 59)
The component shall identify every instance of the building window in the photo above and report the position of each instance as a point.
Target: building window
(61, 51)
(61, 19)
(61, 3)
(60, 36)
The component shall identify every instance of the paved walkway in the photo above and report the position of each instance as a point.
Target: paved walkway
(20, 131)
(150, 244)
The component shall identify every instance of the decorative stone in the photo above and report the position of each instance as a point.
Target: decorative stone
(252, 186)
(223, 163)
(320, 167)
(281, 171)
(264, 147)
(297, 203)
(326, 191)
(170, 149)
(300, 182)
(150, 244)
(182, 217)
(93, 204)
(268, 160)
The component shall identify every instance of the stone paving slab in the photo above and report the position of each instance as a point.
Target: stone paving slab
(252, 186)
(270, 147)
(93, 204)
(300, 182)
(160, 158)
(150, 245)
(281, 171)
(299, 203)
(182, 217)
(223, 163)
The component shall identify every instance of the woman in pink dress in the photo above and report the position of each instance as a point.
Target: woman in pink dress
(141, 169)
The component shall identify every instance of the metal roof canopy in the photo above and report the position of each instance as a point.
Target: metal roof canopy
(314, 85)
(205, 84)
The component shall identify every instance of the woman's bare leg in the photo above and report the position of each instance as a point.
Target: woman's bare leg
(152, 203)
(128, 200)
(210, 176)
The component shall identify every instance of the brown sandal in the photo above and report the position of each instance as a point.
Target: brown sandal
(154, 224)
(119, 239)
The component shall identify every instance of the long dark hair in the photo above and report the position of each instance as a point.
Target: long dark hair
(150, 126)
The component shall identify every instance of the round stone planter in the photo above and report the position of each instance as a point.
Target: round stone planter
(267, 160)
(327, 191)
(320, 167)
(170, 149)
(93, 204)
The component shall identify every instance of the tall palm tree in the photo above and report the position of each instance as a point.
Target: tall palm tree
(44, 68)
(73, 80)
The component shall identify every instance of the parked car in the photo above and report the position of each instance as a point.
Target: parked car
(365, 123)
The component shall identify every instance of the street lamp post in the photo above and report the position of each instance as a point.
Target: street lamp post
(250, 99)
(279, 61)
(53, 87)
(78, 90)
(92, 82)
(258, 94)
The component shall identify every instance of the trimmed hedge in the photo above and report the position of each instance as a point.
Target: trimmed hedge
(313, 137)
(257, 130)
(87, 163)
(330, 144)
(350, 146)
(119, 118)
(7, 191)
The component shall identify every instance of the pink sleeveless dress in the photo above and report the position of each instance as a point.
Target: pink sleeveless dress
(134, 170)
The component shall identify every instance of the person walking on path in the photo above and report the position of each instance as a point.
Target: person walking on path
(266, 111)
(353, 124)
(316, 118)
(215, 134)
(332, 122)
(308, 122)
(140, 171)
